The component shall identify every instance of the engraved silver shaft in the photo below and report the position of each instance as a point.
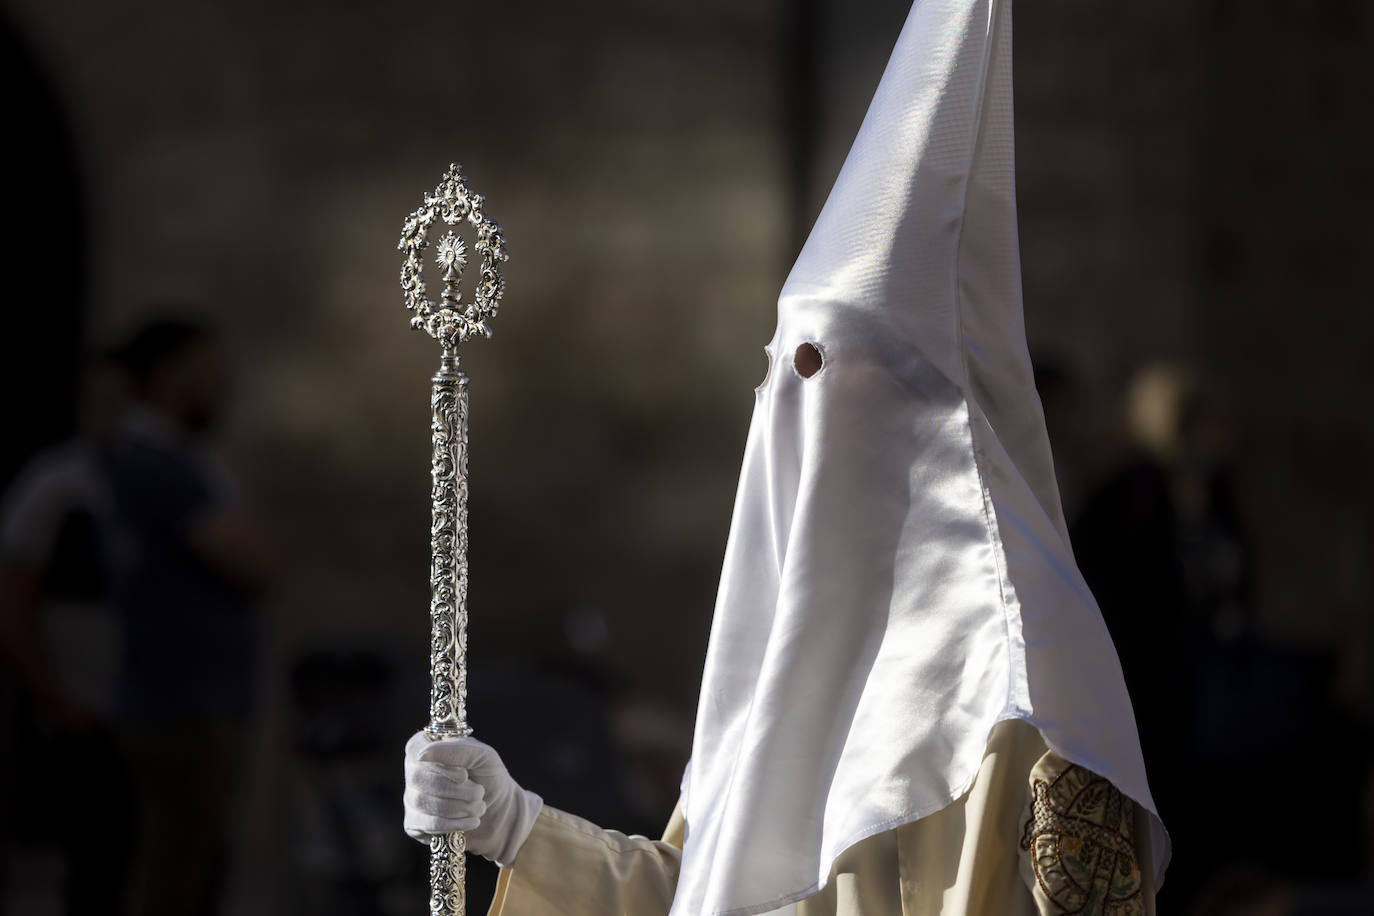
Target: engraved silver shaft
(448, 609)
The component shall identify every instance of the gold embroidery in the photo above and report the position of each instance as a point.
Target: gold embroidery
(1080, 836)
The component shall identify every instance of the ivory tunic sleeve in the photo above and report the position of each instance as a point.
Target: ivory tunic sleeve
(569, 865)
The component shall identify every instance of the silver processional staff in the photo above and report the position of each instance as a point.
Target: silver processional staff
(450, 322)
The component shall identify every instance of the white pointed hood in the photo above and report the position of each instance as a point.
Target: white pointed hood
(898, 577)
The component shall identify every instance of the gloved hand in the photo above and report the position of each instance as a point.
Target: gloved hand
(461, 784)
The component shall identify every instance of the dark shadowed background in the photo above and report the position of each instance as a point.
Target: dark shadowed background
(1194, 191)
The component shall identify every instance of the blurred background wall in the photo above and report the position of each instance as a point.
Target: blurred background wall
(1194, 194)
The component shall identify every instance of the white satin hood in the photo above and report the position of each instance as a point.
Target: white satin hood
(898, 576)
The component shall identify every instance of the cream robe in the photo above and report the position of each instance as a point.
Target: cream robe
(1034, 836)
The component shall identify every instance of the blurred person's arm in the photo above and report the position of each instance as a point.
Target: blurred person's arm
(234, 545)
(30, 520)
(20, 586)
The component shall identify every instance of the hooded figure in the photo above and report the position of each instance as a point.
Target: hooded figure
(910, 702)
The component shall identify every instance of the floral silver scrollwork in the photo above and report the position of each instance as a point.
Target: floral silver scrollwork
(452, 321)
(448, 874)
(448, 564)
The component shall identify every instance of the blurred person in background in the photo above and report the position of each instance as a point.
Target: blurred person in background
(1185, 430)
(62, 641)
(1126, 538)
(1162, 541)
(197, 563)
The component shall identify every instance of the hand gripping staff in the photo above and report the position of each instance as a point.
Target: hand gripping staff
(451, 322)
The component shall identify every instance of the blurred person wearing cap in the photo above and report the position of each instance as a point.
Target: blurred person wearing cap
(910, 702)
(197, 563)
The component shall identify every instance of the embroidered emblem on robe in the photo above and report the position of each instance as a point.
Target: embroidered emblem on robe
(1079, 837)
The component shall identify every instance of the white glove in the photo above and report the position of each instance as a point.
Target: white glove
(461, 784)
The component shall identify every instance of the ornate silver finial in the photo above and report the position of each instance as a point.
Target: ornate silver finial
(452, 322)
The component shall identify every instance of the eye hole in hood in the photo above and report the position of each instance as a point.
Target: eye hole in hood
(808, 360)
